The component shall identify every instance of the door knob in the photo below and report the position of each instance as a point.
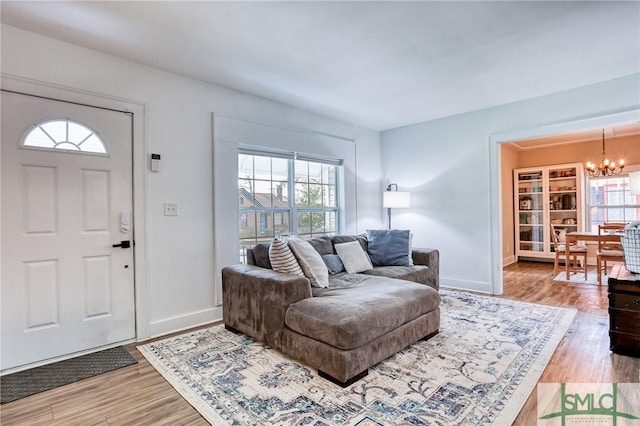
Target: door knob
(123, 244)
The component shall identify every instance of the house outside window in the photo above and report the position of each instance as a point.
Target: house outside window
(264, 223)
(285, 194)
(278, 218)
(610, 201)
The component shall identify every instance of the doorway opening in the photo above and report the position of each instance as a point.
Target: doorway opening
(540, 169)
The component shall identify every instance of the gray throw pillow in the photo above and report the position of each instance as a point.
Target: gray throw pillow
(310, 261)
(261, 255)
(389, 247)
(334, 263)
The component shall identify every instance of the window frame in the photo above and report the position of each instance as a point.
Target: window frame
(278, 218)
(40, 125)
(293, 209)
(623, 206)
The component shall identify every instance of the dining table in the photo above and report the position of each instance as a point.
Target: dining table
(575, 236)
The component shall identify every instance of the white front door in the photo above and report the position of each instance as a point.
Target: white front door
(66, 200)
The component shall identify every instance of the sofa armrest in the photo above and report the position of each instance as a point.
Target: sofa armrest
(255, 300)
(431, 258)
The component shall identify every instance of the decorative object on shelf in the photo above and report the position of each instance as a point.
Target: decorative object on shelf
(525, 203)
(606, 167)
(394, 199)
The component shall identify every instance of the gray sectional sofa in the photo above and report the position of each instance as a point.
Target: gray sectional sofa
(358, 321)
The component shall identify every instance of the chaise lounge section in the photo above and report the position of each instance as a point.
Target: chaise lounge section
(359, 320)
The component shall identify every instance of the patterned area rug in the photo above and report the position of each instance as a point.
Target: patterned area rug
(480, 369)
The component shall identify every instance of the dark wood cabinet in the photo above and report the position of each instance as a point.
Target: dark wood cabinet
(624, 311)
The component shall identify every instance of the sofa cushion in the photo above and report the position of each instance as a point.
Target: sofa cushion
(282, 258)
(357, 309)
(353, 257)
(261, 255)
(323, 245)
(333, 262)
(389, 247)
(415, 273)
(310, 261)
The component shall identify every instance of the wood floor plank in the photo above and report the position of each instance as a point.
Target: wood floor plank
(36, 415)
(139, 395)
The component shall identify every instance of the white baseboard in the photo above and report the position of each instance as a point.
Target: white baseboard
(509, 260)
(477, 286)
(183, 322)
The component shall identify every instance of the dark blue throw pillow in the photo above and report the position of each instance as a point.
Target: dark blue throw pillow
(333, 262)
(389, 247)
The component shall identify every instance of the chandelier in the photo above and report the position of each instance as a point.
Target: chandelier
(606, 167)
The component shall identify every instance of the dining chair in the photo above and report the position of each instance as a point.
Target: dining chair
(609, 247)
(575, 251)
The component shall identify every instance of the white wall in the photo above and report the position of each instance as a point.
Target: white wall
(447, 165)
(180, 250)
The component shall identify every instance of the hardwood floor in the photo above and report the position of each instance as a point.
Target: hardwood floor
(138, 395)
(583, 355)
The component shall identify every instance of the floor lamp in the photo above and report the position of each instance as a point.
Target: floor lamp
(394, 199)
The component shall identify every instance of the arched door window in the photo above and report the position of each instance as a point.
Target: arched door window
(65, 135)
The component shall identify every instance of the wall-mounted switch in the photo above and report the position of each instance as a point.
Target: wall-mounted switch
(170, 209)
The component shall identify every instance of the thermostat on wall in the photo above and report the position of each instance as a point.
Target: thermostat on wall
(156, 164)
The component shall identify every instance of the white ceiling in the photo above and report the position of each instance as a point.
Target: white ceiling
(376, 64)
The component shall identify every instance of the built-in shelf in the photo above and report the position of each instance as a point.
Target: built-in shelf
(543, 195)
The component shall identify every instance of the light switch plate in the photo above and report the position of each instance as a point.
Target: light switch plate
(170, 209)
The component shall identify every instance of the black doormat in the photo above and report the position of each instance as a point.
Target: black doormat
(29, 382)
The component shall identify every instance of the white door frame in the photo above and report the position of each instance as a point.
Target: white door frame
(630, 116)
(139, 142)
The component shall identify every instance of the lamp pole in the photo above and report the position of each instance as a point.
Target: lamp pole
(389, 208)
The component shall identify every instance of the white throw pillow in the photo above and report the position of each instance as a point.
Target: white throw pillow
(282, 259)
(310, 261)
(353, 257)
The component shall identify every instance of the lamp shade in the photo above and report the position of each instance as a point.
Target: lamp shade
(396, 199)
(634, 183)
